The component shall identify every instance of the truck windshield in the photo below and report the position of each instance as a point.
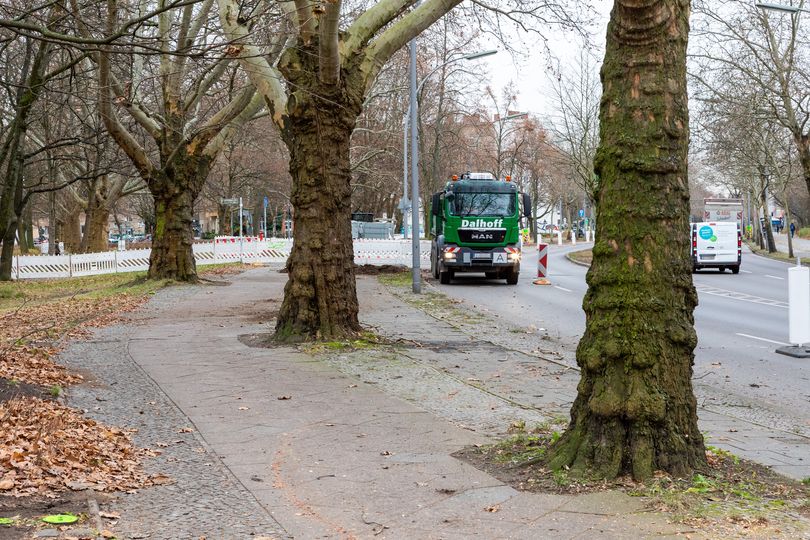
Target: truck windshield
(483, 204)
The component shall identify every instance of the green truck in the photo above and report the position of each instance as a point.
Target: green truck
(475, 227)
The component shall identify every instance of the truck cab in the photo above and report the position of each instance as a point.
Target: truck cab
(475, 227)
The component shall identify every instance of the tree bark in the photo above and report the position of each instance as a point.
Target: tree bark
(174, 192)
(635, 412)
(320, 299)
(96, 227)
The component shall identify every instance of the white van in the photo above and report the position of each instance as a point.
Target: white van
(716, 245)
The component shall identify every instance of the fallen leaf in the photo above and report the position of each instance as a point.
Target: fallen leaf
(244, 408)
(110, 515)
(6, 484)
(185, 430)
(282, 398)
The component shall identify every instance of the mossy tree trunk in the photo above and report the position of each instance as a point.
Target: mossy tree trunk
(314, 96)
(96, 227)
(635, 410)
(174, 189)
(320, 298)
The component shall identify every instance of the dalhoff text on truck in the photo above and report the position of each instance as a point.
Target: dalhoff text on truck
(475, 227)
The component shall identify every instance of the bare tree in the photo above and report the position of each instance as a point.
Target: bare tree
(764, 52)
(574, 126)
(315, 95)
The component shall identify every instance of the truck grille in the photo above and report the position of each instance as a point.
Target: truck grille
(487, 236)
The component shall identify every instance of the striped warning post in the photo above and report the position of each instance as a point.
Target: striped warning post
(542, 260)
(542, 265)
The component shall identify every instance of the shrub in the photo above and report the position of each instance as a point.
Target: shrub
(804, 232)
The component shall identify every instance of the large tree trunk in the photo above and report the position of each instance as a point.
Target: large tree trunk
(635, 411)
(96, 227)
(172, 254)
(72, 233)
(320, 298)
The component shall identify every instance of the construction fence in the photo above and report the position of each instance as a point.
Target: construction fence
(220, 250)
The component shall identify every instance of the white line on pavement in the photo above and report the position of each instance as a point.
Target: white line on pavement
(562, 288)
(763, 339)
(774, 277)
(746, 271)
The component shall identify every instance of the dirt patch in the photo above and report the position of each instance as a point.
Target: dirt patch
(10, 389)
(28, 512)
(373, 270)
(732, 498)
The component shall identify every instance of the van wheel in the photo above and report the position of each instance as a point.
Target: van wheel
(491, 275)
(721, 269)
(512, 277)
(735, 269)
(445, 277)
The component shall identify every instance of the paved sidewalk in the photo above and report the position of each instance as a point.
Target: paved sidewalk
(330, 455)
(801, 246)
(285, 444)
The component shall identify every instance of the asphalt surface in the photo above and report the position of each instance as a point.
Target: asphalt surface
(741, 319)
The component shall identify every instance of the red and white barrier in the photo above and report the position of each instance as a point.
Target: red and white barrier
(542, 260)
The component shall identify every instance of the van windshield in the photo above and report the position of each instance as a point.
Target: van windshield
(483, 204)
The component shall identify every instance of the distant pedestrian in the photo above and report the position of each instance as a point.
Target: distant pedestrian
(792, 229)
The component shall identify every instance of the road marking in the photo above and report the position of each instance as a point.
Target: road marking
(715, 291)
(746, 271)
(562, 288)
(774, 277)
(763, 339)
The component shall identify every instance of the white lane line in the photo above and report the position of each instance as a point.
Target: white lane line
(562, 288)
(763, 339)
(775, 277)
(746, 271)
(714, 291)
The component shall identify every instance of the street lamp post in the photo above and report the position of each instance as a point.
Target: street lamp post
(782, 7)
(411, 118)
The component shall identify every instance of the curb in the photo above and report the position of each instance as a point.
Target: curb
(580, 263)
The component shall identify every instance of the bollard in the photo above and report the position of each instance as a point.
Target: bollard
(798, 312)
(542, 265)
(542, 260)
(573, 237)
(559, 237)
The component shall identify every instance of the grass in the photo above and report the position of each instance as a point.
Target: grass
(36, 292)
(398, 279)
(366, 340)
(583, 256)
(776, 255)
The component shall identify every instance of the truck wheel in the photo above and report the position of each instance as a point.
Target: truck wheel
(721, 269)
(735, 269)
(434, 268)
(512, 277)
(445, 277)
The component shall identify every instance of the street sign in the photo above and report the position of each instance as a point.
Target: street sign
(581, 213)
(229, 202)
(266, 200)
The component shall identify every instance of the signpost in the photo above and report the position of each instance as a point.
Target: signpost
(264, 228)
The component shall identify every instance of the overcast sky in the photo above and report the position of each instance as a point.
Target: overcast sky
(530, 74)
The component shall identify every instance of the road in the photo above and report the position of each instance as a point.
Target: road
(741, 320)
